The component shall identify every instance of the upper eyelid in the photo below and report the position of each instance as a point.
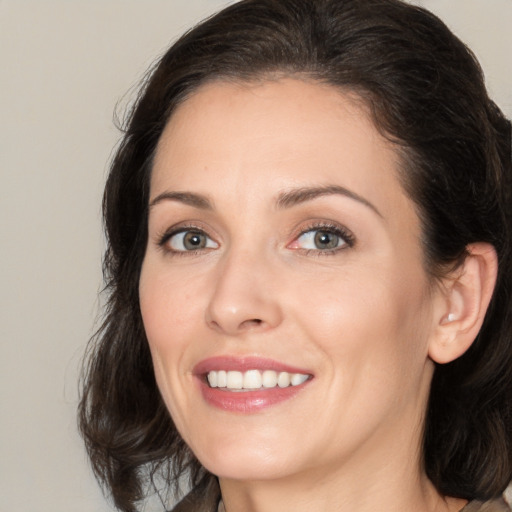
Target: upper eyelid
(327, 226)
(195, 232)
(299, 229)
(163, 241)
(161, 237)
(335, 227)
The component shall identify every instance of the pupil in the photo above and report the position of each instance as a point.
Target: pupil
(326, 240)
(194, 241)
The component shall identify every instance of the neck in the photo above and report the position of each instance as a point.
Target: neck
(390, 479)
(333, 497)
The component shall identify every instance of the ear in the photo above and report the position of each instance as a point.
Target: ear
(465, 297)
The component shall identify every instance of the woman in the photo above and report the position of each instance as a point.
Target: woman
(309, 267)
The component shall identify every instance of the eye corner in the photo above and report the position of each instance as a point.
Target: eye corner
(186, 240)
(323, 238)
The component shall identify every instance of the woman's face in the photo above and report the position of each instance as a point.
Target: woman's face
(282, 247)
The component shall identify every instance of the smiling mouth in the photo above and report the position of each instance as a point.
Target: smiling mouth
(253, 380)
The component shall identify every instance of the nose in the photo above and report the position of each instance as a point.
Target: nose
(244, 296)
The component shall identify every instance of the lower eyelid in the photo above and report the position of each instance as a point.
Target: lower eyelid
(346, 238)
(180, 235)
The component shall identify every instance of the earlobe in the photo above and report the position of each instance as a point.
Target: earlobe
(466, 296)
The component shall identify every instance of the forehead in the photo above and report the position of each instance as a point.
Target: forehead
(252, 109)
(287, 132)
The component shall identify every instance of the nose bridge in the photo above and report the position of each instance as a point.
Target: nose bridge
(241, 299)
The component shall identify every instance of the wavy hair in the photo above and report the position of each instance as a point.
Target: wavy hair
(426, 93)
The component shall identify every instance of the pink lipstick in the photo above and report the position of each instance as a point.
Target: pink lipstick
(248, 384)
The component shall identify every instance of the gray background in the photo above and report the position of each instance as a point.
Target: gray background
(64, 66)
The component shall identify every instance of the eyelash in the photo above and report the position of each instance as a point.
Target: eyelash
(344, 234)
(164, 238)
(335, 229)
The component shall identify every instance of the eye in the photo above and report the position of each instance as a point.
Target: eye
(189, 240)
(325, 239)
(320, 240)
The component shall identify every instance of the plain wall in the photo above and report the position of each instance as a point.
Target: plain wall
(64, 66)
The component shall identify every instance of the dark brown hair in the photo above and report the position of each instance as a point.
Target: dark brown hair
(426, 93)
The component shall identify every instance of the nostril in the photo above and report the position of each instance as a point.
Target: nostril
(253, 322)
(246, 325)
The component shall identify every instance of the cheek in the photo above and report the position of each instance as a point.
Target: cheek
(165, 320)
(168, 307)
(168, 316)
(377, 320)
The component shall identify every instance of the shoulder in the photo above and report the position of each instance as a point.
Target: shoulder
(498, 505)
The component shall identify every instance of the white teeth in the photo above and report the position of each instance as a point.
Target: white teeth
(235, 380)
(213, 379)
(254, 379)
(298, 378)
(222, 378)
(269, 379)
(283, 380)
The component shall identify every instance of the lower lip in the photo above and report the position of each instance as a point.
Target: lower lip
(248, 401)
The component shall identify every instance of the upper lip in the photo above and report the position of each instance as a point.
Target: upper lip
(243, 364)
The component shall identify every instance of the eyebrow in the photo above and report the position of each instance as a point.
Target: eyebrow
(301, 195)
(188, 198)
(284, 200)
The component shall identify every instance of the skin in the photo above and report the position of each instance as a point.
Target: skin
(361, 319)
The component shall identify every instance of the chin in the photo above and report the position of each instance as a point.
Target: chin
(247, 470)
(250, 462)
